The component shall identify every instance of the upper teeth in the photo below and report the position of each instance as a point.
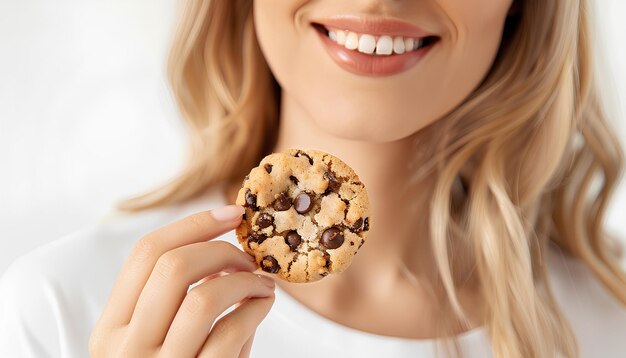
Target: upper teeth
(381, 45)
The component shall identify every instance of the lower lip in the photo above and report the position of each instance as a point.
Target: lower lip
(372, 65)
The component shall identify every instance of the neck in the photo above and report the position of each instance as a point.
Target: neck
(397, 240)
(389, 285)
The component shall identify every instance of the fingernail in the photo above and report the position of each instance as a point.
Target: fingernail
(251, 258)
(267, 281)
(227, 213)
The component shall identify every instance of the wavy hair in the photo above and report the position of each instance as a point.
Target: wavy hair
(531, 146)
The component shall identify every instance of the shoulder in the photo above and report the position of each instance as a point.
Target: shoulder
(84, 256)
(596, 316)
(41, 290)
(51, 297)
(96, 247)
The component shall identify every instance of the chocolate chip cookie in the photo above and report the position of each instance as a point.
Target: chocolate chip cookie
(306, 215)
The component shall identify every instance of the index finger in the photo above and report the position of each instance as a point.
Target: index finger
(138, 266)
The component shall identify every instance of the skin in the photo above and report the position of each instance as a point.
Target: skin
(150, 313)
(367, 122)
(370, 122)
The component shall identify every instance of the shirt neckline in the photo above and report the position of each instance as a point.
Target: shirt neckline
(306, 317)
(309, 319)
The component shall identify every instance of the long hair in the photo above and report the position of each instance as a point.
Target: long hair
(531, 145)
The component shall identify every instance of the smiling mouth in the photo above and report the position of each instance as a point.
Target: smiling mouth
(376, 45)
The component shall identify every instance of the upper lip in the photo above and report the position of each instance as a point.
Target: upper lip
(373, 25)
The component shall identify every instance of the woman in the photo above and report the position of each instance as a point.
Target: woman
(477, 129)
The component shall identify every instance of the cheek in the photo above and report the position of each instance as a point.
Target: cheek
(275, 36)
(476, 34)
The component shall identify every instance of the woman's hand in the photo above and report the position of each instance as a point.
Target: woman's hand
(150, 313)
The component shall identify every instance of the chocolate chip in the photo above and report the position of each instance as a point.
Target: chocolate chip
(268, 168)
(332, 238)
(366, 224)
(264, 220)
(333, 182)
(282, 202)
(301, 154)
(293, 240)
(250, 199)
(256, 237)
(303, 203)
(357, 225)
(269, 264)
(327, 259)
(293, 179)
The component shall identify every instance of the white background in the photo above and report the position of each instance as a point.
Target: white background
(86, 117)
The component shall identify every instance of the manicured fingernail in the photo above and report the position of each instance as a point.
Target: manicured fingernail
(267, 281)
(227, 213)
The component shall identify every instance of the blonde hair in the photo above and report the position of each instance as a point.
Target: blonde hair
(531, 144)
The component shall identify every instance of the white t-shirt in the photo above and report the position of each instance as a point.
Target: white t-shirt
(51, 298)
